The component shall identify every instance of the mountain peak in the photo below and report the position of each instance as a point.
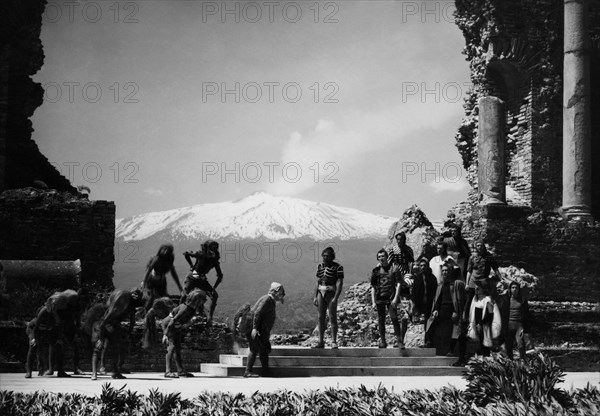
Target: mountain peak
(256, 194)
(259, 215)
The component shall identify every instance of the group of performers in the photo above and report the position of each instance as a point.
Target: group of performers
(455, 294)
(452, 292)
(59, 319)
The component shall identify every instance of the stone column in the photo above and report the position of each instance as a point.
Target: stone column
(576, 201)
(490, 150)
(4, 58)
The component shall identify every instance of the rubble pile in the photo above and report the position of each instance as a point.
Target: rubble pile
(421, 236)
(528, 282)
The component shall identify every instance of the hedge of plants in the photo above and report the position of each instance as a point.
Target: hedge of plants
(496, 386)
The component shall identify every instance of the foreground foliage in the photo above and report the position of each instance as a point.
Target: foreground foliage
(496, 386)
(500, 379)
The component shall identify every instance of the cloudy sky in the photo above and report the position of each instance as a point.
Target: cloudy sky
(164, 104)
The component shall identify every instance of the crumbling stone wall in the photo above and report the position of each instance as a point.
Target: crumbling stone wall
(50, 225)
(565, 255)
(53, 225)
(21, 56)
(515, 53)
(200, 345)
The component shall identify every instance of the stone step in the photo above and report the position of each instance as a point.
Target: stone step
(347, 352)
(565, 316)
(314, 371)
(308, 361)
(557, 333)
(575, 359)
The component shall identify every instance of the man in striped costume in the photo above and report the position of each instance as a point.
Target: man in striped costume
(330, 278)
(401, 254)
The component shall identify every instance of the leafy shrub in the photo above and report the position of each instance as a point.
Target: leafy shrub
(116, 402)
(498, 378)
(352, 402)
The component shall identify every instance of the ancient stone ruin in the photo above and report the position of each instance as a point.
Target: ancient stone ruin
(528, 139)
(42, 215)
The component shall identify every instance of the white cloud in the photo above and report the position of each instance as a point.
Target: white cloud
(449, 186)
(343, 142)
(154, 192)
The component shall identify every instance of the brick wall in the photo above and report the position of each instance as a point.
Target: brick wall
(52, 225)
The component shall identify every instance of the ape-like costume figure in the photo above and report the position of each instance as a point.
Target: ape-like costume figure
(172, 327)
(121, 305)
(155, 279)
(41, 332)
(92, 319)
(55, 326)
(160, 309)
(206, 259)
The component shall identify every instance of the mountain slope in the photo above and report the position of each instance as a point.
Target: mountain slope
(257, 216)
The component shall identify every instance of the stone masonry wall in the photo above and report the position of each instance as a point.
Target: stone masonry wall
(515, 52)
(52, 225)
(565, 255)
(199, 345)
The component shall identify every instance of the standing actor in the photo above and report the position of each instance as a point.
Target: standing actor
(449, 313)
(386, 283)
(330, 278)
(423, 293)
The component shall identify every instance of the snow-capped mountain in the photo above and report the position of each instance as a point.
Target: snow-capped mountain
(257, 216)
